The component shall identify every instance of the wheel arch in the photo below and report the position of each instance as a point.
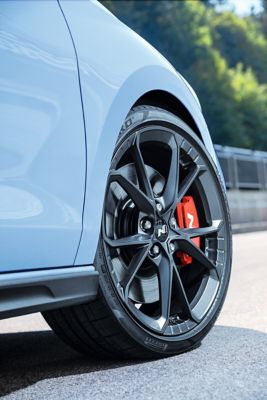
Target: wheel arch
(150, 85)
(167, 101)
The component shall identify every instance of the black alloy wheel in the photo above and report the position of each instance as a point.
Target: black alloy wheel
(160, 304)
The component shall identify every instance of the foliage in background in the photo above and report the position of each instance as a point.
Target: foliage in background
(223, 56)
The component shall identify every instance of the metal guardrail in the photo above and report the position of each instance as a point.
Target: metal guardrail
(242, 168)
(245, 173)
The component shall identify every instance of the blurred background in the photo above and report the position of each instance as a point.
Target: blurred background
(220, 47)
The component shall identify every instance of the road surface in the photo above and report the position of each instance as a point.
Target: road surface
(230, 364)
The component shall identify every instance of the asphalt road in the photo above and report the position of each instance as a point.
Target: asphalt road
(230, 364)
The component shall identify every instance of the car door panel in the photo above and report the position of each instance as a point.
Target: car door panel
(42, 139)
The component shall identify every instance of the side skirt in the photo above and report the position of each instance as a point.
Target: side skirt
(28, 292)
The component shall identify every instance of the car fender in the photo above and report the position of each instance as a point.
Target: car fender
(111, 82)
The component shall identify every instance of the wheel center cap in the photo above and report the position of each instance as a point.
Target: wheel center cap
(161, 230)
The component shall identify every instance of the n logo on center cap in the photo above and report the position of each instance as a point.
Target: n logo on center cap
(161, 231)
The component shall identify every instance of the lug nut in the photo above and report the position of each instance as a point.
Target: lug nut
(145, 224)
(159, 207)
(172, 247)
(154, 252)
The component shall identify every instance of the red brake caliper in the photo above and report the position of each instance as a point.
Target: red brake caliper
(187, 217)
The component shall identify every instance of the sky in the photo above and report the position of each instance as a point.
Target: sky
(242, 7)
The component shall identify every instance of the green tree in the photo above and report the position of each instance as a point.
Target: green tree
(222, 55)
(213, 3)
(264, 17)
(240, 40)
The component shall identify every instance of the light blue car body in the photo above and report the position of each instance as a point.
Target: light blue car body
(70, 72)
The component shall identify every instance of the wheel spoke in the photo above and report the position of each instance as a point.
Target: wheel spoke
(206, 231)
(165, 272)
(182, 295)
(133, 240)
(110, 205)
(193, 174)
(139, 198)
(189, 247)
(142, 176)
(171, 186)
(133, 268)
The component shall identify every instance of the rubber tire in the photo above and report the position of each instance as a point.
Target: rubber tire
(103, 327)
